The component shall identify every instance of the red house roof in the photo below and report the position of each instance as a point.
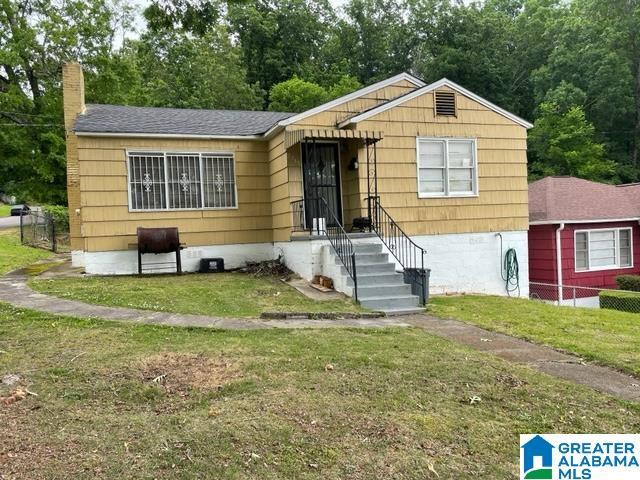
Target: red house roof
(567, 199)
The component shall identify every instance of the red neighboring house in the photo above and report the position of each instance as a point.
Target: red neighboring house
(583, 233)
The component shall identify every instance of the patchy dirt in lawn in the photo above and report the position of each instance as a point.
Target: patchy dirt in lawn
(181, 372)
(509, 380)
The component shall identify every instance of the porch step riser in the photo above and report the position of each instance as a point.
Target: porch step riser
(367, 259)
(396, 303)
(378, 290)
(373, 280)
(368, 247)
(375, 268)
(380, 287)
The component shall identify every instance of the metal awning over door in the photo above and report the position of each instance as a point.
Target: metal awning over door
(293, 137)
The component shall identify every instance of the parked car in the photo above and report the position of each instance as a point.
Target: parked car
(16, 210)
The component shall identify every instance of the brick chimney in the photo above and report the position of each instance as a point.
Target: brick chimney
(73, 101)
(72, 92)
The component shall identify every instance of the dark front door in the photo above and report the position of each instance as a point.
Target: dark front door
(321, 175)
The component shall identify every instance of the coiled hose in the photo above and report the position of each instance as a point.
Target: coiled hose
(510, 270)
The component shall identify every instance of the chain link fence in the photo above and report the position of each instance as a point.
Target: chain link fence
(41, 229)
(586, 297)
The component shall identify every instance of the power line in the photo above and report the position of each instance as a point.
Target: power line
(31, 125)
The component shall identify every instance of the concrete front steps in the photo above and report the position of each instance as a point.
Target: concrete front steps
(380, 287)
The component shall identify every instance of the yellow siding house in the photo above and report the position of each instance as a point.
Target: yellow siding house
(396, 178)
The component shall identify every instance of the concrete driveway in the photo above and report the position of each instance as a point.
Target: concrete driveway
(9, 222)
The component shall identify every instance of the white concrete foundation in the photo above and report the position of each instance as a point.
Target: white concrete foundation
(125, 262)
(307, 257)
(459, 263)
(472, 262)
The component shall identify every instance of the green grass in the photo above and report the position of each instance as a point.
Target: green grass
(606, 336)
(13, 255)
(5, 210)
(221, 294)
(265, 404)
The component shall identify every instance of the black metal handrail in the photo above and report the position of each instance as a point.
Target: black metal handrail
(408, 253)
(298, 213)
(338, 238)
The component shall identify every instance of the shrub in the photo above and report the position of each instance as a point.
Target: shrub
(623, 301)
(59, 214)
(628, 282)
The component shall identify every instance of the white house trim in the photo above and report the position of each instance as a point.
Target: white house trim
(426, 89)
(616, 248)
(595, 220)
(351, 96)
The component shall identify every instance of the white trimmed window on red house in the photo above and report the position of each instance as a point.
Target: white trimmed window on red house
(603, 249)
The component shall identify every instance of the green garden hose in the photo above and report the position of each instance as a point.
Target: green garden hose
(510, 270)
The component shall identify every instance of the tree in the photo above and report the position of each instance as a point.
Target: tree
(279, 38)
(374, 40)
(179, 70)
(36, 37)
(346, 84)
(562, 143)
(474, 45)
(296, 95)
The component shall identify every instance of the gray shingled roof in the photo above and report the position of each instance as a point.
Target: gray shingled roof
(175, 121)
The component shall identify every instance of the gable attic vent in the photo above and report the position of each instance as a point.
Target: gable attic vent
(446, 104)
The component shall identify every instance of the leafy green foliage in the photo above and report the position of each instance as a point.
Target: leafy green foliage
(581, 56)
(628, 282)
(188, 72)
(622, 301)
(297, 95)
(36, 37)
(59, 214)
(564, 144)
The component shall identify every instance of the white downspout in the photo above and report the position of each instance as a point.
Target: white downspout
(559, 261)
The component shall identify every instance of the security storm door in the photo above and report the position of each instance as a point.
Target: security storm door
(321, 176)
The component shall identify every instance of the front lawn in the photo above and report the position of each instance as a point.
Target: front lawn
(5, 210)
(606, 336)
(139, 401)
(14, 255)
(219, 294)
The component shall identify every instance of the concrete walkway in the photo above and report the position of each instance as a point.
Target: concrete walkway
(544, 359)
(14, 290)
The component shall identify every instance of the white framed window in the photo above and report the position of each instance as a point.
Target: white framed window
(603, 249)
(447, 167)
(181, 181)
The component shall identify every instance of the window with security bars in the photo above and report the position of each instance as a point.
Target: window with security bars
(181, 181)
(147, 181)
(218, 181)
(446, 167)
(603, 249)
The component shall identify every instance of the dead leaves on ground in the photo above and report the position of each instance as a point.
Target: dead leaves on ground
(181, 372)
